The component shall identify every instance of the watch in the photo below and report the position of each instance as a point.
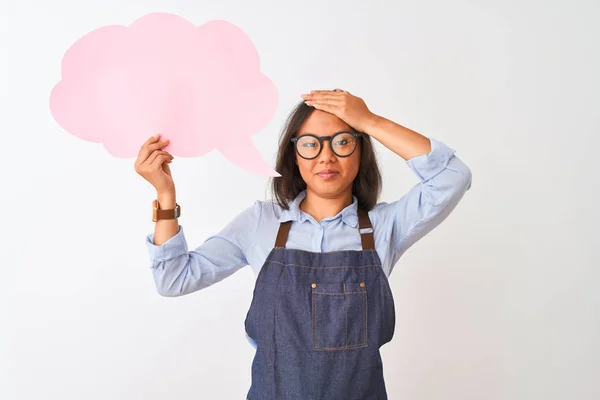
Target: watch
(158, 214)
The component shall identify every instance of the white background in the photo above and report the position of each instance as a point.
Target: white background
(499, 302)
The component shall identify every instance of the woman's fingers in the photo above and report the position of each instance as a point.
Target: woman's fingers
(150, 146)
(144, 150)
(159, 160)
(153, 164)
(155, 155)
(158, 145)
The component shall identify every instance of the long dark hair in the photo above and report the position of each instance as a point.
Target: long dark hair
(366, 186)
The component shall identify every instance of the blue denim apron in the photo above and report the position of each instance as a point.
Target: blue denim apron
(318, 321)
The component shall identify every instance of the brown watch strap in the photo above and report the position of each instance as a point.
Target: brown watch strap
(158, 214)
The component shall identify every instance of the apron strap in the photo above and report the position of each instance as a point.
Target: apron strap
(282, 234)
(364, 228)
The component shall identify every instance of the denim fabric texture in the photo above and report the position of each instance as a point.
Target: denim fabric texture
(318, 320)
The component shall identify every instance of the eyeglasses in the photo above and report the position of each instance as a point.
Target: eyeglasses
(342, 144)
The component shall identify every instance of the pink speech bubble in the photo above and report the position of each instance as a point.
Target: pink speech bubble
(200, 87)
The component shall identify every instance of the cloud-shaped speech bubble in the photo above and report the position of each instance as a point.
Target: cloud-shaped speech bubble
(200, 87)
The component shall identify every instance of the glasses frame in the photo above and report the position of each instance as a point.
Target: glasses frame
(320, 139)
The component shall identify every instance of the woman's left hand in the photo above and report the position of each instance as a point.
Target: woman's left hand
(350, 109)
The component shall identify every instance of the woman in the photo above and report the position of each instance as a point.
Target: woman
(322, 251)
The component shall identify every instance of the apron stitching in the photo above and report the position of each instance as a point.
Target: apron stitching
(354, 346)
(325, 252)
(339, 294)
(314, 320)
(366, 308)
(340, 266)
(346, 306)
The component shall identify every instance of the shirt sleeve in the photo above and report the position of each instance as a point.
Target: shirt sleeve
(444, 179)
(178, 271)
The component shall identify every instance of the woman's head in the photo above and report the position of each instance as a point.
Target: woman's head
(357, 173)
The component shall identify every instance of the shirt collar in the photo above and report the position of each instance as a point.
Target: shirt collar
(349, 214)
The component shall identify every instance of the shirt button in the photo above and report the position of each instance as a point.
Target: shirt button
(362, 284)
(314, 285)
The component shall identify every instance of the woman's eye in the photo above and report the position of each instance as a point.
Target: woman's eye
(342, 142)
(309, 145)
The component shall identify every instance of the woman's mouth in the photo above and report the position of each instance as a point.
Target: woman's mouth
(327, 174)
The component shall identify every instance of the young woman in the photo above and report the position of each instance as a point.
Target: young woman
(322, 250)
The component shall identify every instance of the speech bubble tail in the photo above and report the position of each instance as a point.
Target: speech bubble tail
(246, 156)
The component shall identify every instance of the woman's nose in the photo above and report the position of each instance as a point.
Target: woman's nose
(326, 150)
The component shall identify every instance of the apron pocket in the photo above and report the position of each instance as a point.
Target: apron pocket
(339, 315)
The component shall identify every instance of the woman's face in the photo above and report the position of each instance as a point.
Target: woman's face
(342, 170)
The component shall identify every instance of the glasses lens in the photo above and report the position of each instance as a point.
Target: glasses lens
(308, 146)
(343, 144)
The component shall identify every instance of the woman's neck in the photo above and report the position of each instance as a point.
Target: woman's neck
(320, 207)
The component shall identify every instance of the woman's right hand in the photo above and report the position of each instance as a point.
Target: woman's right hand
(152, 164)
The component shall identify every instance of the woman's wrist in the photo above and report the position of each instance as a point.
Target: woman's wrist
(167, 200)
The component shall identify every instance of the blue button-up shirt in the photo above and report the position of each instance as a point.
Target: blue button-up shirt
(249, 237)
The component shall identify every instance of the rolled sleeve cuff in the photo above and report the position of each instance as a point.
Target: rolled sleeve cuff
(174, 247)
(427, 166)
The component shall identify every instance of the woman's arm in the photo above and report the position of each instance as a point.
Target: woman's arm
(399, 139)
(178, 271)
(352, 110)
(444, 179)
